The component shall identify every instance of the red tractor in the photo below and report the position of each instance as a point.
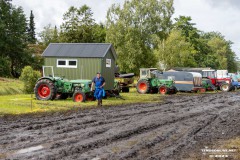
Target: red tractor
(222, 83)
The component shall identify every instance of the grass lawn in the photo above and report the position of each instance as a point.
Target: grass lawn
(10, 86)
(26, 103)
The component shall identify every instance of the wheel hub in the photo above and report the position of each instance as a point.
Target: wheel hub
(142, 86)
(78, 98)
(43, 91)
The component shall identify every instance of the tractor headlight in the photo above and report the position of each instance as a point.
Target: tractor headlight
(82, 85)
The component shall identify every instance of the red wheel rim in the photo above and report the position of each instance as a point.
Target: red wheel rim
(43, 91)
(78, 97)
(143, 86)
(163, 90)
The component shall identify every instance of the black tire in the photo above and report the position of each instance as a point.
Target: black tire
(125, 89)
(90, 96)
(143, 86)
(61, 96)
(79, 96)
(225, 87)
(45, 90)
(173, 90)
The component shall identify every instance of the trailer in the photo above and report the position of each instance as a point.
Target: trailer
(125, 81)
(185, 81)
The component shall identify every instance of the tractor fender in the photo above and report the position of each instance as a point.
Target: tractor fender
(48, 78)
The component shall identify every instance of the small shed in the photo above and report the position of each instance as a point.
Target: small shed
(81, 61)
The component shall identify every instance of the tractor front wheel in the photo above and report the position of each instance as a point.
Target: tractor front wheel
(143, 86)
(163, 90)
(225, 87)
(79, 96)
(45, 90)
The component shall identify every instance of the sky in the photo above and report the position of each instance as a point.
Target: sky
(209, 15)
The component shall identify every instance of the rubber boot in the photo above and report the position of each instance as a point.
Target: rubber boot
(100, 102)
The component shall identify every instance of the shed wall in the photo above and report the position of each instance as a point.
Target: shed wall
(108, 72)
(86, 69)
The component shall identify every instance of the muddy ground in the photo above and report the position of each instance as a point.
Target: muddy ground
(178, 128)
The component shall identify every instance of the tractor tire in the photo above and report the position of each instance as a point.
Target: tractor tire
(143, 86)
(163, 90)
(90, 96)
(225, 87)
(45, 90)
(61, 96)
(79, 96)
(173, 90)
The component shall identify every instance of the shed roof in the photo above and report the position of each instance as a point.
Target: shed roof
(85, 50)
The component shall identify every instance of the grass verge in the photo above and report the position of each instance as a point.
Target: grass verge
(26, 103)
(10, 86)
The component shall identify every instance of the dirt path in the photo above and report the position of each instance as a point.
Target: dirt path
(176, 129)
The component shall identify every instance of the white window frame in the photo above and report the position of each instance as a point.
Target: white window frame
(67, 63)
(109, 65)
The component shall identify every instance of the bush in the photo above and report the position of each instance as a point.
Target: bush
(29, 77)
(4, 67)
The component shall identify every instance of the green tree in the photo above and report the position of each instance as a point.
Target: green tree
(134, 28)
(31, 29)
(80, 27)
(13, 37)
(99, 33)
(4, 67)
(221, 55)
(55, 35)
(29, 77)
(37, 60)
(175, 51)
(48, 35)
(193, 36)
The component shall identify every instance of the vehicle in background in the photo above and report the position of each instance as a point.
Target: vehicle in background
(124, 81)
(186, 81)
(151, 82)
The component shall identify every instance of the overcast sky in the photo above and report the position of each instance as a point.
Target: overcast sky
(209, 15)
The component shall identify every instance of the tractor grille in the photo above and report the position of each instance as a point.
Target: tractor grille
(197, 81)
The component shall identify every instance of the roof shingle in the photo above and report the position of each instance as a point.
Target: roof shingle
(85, 50)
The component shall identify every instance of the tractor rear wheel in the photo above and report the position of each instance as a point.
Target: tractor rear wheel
(173, 90)
(225, 87)
(143, 86)
(90, 96)
(45, 90)
(79, 96)
(163, 90)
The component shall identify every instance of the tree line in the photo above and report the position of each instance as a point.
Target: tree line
(143, 33)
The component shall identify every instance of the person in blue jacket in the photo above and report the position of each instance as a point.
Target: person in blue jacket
(99, 92)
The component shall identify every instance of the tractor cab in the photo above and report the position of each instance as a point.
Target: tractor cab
(146, 73)
(210, 74)
(222, 82)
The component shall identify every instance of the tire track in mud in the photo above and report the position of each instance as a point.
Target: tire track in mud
(142, 130)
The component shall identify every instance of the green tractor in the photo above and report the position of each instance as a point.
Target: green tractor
(50, 88)
(150, 83)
